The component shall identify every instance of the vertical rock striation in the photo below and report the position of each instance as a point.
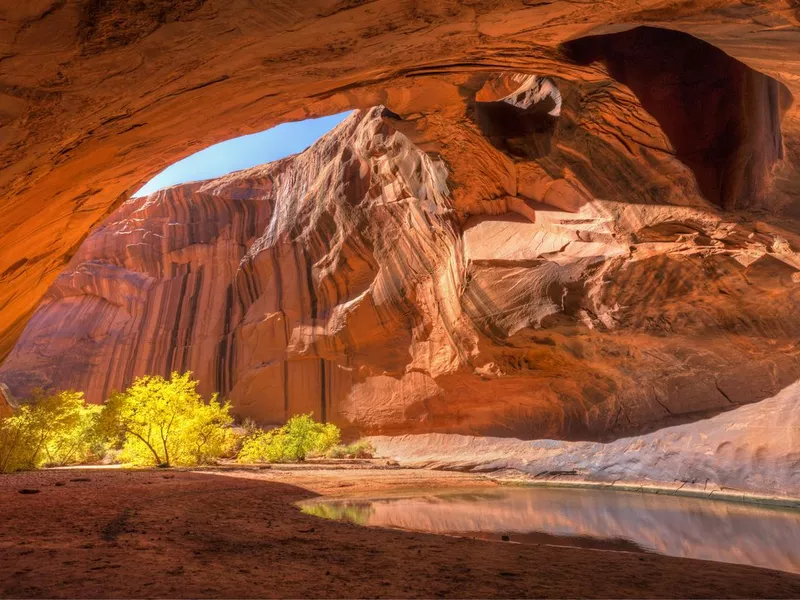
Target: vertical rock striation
(565, 279)
(97, 96)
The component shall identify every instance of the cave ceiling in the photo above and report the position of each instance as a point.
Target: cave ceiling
(97, 96)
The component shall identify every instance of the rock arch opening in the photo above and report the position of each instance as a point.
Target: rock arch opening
(381, 280)
(722, 117)
(522, 122)
(252, 280)
(244, 152)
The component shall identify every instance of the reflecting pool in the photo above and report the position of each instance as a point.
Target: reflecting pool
(676, 526)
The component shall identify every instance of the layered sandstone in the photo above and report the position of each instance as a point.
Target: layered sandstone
(98, 96)
(442, 272)
(753, 449)
(564, 224)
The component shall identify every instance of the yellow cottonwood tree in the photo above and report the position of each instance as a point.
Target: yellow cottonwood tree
(166, 422)
(49, 430)
(299, 437)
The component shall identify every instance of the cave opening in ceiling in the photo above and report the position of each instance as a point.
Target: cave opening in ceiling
(523, 122)
(722, 117)
(244, 152)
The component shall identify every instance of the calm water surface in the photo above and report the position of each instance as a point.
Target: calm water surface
(691, 527)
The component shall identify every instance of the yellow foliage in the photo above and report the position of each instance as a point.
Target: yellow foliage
(295, 440)
(49, 430)
(166, 422)
(358, 449)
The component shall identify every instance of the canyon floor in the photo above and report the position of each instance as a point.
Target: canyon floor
(91, 533)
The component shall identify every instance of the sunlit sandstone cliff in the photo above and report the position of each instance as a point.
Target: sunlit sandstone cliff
(97, 96)
(539, 262)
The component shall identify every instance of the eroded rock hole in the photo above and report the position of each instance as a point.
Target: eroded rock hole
(722, 117)
(522, 122)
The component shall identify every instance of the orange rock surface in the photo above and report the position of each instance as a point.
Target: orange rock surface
(7, 401)
(346, 281)
(544, 234)
(751, 450)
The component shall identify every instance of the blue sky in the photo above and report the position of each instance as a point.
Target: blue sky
(244, 152)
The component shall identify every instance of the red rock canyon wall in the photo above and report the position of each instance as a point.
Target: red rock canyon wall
(565, 225)
(353, 280)
(96, 96)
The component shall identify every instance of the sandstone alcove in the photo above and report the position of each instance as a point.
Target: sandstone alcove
(538, 185)
(555, 241)
(722, 117)
(364, 281)
(522, 123)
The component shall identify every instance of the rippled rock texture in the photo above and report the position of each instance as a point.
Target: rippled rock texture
(753, 449)
(535, 261)
(96, 96)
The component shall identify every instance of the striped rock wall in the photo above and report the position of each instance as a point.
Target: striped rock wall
(571, 282)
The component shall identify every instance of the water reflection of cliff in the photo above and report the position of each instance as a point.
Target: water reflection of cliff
(690, 527)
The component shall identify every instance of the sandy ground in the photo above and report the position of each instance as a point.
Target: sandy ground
(114, 533)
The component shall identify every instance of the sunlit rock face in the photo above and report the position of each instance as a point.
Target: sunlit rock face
(753, 448)
(442, 271)
(285, 287)
(96, 96)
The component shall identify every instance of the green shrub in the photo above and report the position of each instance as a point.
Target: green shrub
(358, 449)
(166, 422)
(295, 440)
(50, 430)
